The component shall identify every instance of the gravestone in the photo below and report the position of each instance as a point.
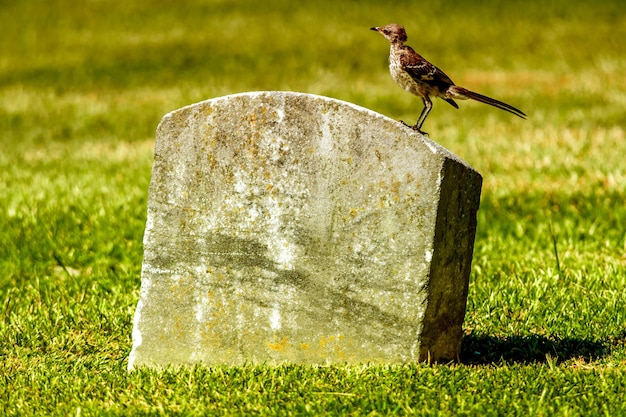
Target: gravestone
(288, 227)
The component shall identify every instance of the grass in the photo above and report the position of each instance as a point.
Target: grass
(84, 84)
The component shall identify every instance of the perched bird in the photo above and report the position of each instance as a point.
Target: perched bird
(419, 77)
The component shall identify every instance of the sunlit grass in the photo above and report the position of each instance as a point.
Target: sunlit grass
(84, 84)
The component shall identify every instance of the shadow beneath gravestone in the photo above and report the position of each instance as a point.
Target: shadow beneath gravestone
(477, 349)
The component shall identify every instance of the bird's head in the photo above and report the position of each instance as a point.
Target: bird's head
(393, 32)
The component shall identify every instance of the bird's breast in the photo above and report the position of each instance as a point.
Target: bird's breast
(402, 78)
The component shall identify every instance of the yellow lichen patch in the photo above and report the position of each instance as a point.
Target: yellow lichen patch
(395, 189)
(280, 346)
(324, 341)
(207, 111)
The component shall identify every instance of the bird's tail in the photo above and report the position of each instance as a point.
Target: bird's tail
(461, 93)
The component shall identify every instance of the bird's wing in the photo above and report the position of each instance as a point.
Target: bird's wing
(423, 71)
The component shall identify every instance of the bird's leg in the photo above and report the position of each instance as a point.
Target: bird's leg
(428, 104)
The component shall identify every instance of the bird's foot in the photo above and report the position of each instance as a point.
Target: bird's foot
(414, 127)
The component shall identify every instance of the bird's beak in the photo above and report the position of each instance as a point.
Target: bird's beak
(374, 28)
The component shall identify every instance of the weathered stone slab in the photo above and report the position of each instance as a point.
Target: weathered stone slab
(287, 227)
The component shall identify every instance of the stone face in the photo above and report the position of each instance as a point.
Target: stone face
(287, 227)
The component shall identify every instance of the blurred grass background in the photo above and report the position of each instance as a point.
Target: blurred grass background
(83, 85)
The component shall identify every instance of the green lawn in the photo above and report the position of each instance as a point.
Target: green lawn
(83, 85)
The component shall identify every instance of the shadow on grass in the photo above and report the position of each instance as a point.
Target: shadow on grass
(479, 349)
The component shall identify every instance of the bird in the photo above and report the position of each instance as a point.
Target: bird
(415, 74)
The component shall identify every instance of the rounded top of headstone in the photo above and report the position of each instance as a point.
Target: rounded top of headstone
(309, 111)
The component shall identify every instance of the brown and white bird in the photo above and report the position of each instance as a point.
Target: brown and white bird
(416, 75)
